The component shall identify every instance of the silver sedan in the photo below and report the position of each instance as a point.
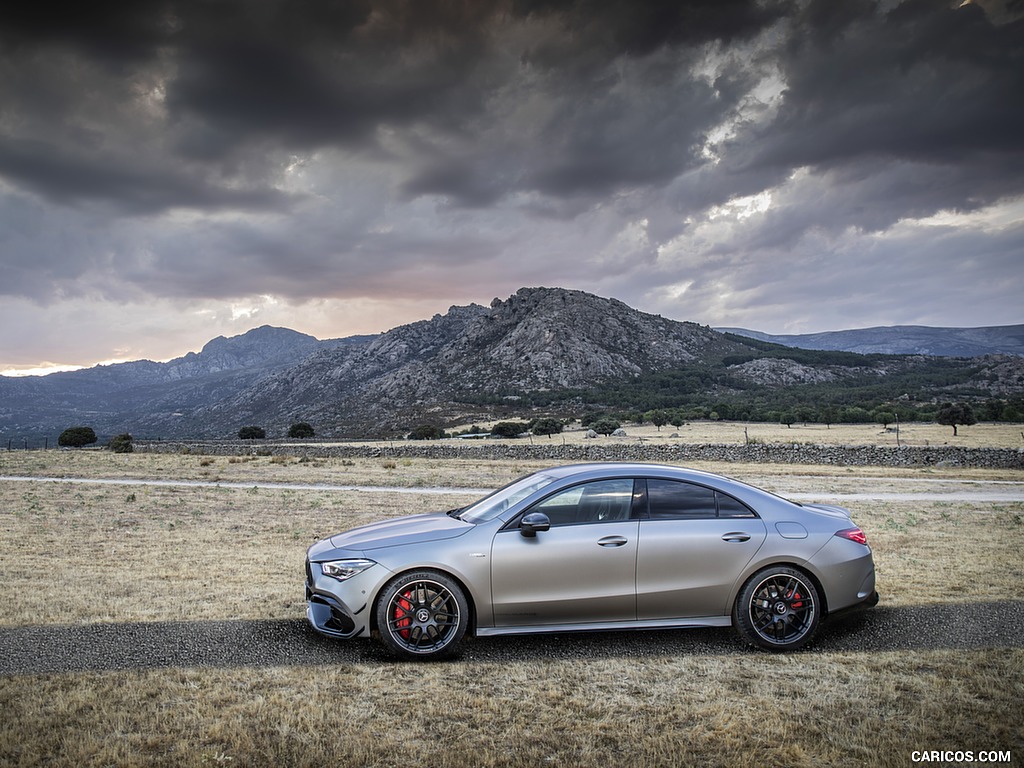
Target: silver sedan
(594, 547)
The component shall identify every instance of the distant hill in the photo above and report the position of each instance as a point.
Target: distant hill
(540, 351)
(126, 397)
(905, 340)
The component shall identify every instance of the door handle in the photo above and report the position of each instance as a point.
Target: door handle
(612, 541)
(736, 537)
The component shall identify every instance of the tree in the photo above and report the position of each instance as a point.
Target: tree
(547, 426)
(251, 433)
(883, 417)
(854, 414)
(425, 432)
(956, 414)
(121, 443)
(509, 428)
(605, 426)
(658, 418)
(301, 430)
(76, 437)
(828, 415)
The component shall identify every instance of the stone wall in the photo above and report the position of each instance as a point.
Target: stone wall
(679, 453)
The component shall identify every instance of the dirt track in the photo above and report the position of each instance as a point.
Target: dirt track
(101, 647)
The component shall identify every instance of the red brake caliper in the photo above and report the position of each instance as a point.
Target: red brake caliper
(403, 617)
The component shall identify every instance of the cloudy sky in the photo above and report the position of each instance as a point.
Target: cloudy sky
(171, 171)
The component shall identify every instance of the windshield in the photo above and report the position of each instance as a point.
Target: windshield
(493, 505)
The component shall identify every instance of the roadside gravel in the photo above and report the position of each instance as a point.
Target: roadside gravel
(106, 647)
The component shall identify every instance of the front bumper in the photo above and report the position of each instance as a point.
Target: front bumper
(333, 608)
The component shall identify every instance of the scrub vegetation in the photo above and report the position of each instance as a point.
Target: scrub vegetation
(78, 553)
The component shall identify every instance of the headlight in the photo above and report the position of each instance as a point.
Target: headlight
(345, 569)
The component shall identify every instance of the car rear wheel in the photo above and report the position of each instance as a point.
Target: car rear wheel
(422, 615)
(778, 608)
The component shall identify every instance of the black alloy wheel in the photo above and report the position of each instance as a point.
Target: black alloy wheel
(778, 608)
(422, 615)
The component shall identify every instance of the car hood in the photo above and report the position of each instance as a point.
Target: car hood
(412, 529)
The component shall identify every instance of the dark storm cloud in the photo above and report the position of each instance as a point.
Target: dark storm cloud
(239, 77)
(639, 28)
(921, 83)
(69, 177)
(314, 150)
(110, 30)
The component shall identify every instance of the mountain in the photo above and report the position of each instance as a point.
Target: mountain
(539, 339)
(905, 340)
(541, 350)
(126, 396)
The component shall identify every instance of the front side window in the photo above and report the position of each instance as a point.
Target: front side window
(595, 502)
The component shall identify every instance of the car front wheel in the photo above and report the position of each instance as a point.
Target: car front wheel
(778, 608)
(422, 615)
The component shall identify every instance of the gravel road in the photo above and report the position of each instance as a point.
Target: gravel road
(101, 647)
(994, 491)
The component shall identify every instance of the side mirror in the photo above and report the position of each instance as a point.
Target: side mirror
(533, 522)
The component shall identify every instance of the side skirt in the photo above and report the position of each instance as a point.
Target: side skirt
(607, 626)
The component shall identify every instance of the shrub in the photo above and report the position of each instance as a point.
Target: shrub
(301, 430)
(251, 433)
(76, 437)
(121, 443)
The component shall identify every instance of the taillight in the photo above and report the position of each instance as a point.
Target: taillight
(853, 534)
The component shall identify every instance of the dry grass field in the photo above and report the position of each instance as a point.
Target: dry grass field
(76, 553)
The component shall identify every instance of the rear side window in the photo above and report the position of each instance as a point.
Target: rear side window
(674, 500)
(671, 500)
(730, 507)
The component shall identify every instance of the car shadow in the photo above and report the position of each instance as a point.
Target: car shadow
(47, 649)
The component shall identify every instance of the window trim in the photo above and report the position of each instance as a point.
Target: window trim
(640, 508)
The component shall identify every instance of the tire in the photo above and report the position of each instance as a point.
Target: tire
(779, 608)
(422, 615)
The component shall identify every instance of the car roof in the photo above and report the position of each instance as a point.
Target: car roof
(610, 469)
(623, 468)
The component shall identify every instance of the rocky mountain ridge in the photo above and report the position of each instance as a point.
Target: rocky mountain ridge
(471, 363)
(537, 339)
(904, 340)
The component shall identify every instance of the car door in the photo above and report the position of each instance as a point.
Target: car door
(694, 542)
(583, 569)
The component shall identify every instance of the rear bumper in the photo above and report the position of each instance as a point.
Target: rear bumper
(846, 570)
(868, 602)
